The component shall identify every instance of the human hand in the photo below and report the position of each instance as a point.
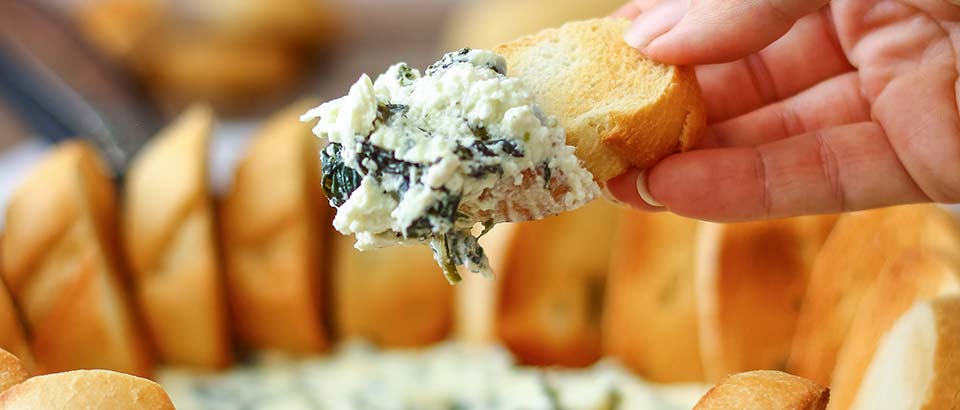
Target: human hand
(813, 106)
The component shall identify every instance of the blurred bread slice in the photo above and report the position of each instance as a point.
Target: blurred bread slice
(912, 277)
(12, 371)
(394, 297)
(618, 108)
(12, 336)
(274, 221)
(751, 280)
(552, 283)
(764, 390)
(650, 317)
(476, 297)
(60, 260)
(169, 238)
(850, 260)
(86, 389)
(916, 365)
(486, 23)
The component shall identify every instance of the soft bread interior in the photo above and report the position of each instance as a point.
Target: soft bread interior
(902, 370)
(909, 278)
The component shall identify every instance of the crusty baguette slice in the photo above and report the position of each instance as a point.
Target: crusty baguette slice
(86, 389)
(61, 263)
(12, 371)
(394, 297)
(765, 390)
(751, 278)
(274, 222)
(650, 318)
(552, 285)
(916, 365)
(12, 336)
(618, 108)
(850, 260)
(912, 277)
(169, 239)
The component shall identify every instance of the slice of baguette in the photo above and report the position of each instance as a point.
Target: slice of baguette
(765, 390)
(12, 336)
(477, 297)
(551, 286)
(169, 239)
(60, 261)
(274, 222)
(750, 282)
(12, 371)
(916, 365)
(394, 297)
(86, 389)
(618, 108)
(851, 259)
(912, 277)
(650, 317)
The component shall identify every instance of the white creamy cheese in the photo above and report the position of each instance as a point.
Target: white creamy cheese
(417, 158)
(442, 377)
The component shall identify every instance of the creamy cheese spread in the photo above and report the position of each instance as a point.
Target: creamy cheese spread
(424, 158)
(447, 376)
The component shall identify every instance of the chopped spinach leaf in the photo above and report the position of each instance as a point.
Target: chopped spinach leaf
(386, 111)
(546, 175)
(338, 180)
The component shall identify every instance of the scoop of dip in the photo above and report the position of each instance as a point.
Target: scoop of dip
(424, 158)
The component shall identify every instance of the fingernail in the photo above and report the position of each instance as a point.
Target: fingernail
(605, 191)
(653, 23)
(645, 192)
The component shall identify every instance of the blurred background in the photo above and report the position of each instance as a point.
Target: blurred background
(116, 70)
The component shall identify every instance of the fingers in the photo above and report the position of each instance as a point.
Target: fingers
(808, 54)
(844, 168)
(714, 31)
(834, 102)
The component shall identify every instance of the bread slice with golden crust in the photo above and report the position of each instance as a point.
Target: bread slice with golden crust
(12, 371)
(61, 264)
(551, 286)
(751, 279)
(169, 239)
(912, 277)
(12, 336)
(274, 222)
(916, 365)
(618, 108)
(850, 260)
(765, 390)
(650, 317)
(86, 389)
(394, 297)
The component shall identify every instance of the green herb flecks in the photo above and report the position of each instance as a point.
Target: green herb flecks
(339, 180)
(441, 250)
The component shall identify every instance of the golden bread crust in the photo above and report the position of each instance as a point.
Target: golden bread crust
(765, 390)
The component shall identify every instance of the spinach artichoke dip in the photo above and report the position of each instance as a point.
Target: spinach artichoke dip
(417, 158)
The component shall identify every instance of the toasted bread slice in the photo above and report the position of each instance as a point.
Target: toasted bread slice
(12, 336)
(60, 261)
(650, 318)
(765, 390)
(912, 277)
(274, 225)
(618, 108)
(750, 283)
(394, 297)
(850, 260)
(916, 365)
(12, 371)
(86, 389)
(169, 239)
(484, 24)
(551, 291)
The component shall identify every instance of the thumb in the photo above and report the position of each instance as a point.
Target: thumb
(714, 31)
